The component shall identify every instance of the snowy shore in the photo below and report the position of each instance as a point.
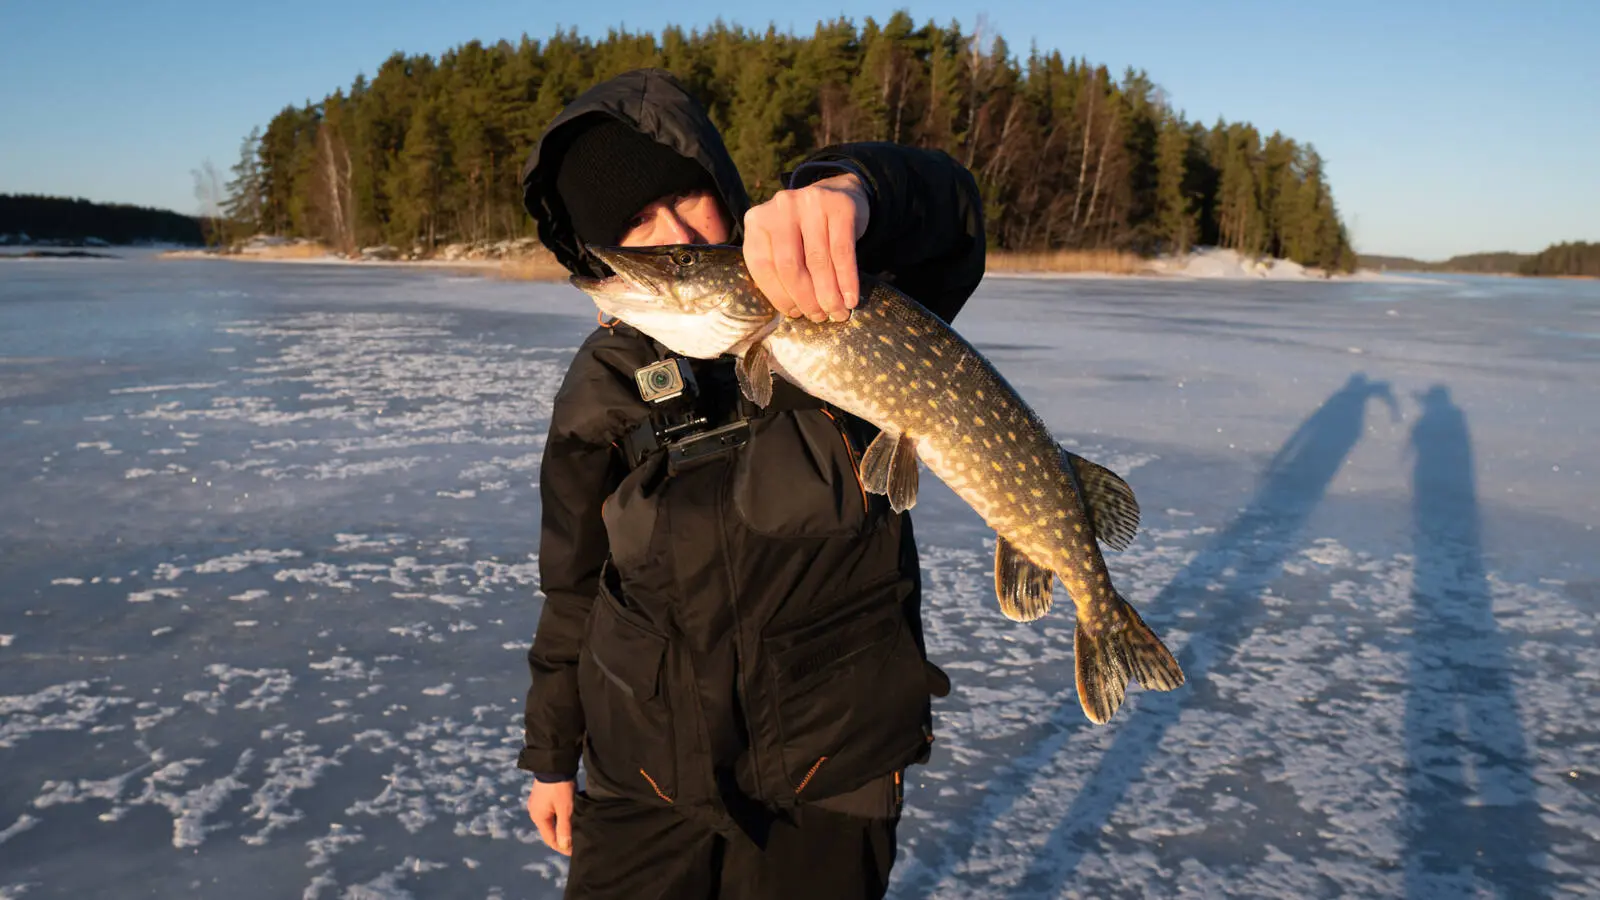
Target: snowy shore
(531, 262)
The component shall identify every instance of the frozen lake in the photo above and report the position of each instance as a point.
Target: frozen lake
(268, 542)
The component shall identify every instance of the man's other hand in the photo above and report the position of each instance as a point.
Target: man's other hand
(800, 247)
(550, 808)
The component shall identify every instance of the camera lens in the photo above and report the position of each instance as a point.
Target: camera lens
(660, 380)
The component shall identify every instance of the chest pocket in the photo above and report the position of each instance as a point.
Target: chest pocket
(799, 477)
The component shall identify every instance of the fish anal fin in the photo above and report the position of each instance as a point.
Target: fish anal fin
(1112, 648)
(1022, 586)
(754, 371)
(889, 467)
(1113, 509)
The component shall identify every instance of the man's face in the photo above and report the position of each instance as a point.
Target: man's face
(694, 217)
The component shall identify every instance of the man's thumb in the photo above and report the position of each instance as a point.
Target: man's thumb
(564, 833)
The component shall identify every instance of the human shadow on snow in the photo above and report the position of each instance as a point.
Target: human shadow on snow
(1237, 566)
(1471, 818)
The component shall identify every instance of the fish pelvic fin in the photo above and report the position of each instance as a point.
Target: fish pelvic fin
(1113, 509)
(1111, 647)
(754, 371)
(1022, 586)
(889, 467)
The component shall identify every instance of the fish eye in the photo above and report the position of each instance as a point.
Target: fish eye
(684, 258)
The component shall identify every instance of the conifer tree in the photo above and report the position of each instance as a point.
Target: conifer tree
(1065, 155)
(1176, 224)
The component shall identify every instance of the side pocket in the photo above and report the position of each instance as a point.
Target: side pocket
(851, 698)
(626, 714)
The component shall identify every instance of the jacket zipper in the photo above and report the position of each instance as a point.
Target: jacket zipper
(742, 658)
(855, 461)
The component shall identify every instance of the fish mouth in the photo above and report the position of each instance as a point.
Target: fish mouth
(631, 287)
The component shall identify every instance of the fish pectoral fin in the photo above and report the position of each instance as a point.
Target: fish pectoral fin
(889, 467)
(754, 371)
(1021, 585)
(1112, 647)
(1113, 510)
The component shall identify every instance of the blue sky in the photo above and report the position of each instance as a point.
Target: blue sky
(1448, 127)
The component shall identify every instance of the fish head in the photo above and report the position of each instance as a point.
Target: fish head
(697, 299)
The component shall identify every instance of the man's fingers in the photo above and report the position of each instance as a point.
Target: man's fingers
(758, 259)
(544, 819)
(564, 831)
(842, 253)
(820, 267)
(789, 260)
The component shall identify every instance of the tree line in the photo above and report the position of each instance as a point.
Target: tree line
(1574, 258)
(1566, 258)
(70, 220)
(1067, 156)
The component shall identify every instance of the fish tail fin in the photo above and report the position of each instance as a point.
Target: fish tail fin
(1113, 647)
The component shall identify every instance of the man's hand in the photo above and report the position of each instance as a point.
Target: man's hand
(800, 247)
(550, 808)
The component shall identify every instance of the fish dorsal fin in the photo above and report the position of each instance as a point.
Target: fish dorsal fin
(1021, 586)
(1112, 506)
(754, 371)
(890, 467)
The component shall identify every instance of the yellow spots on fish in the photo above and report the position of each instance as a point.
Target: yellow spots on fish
(980, 392)
(1059, 535)
(933, 403)
(882, 377)
(994, 464)
(936, 350)
(876, 354)
(909, 346)
(1077, 527)
(1012, 435)
(928, 363)
(885, 339)
(1088, 565)
(900, 365)
(966, 439)
(911, 331)
(951, 393)
(987, 445)
(1101, 578)
(978, 420)
(1043, 523)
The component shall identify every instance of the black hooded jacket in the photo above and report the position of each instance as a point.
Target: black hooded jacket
(744, 633)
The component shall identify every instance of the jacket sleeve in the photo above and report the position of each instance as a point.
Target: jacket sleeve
(580, 469)
(926, 226)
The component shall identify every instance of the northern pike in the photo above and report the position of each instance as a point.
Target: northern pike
(934, 397)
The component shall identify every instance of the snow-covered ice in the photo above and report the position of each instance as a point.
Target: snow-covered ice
(292, 664)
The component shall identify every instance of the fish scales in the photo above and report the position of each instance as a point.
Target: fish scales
(936, 398)
(896, 365)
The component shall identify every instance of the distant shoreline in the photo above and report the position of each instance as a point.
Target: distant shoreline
(1202, 265)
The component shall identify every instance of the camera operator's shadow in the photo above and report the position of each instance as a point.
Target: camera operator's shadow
(1471, 812)
(1238, 565)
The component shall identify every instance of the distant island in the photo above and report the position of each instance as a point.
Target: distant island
(1569, 259)
(1071, 158)
(64, 221)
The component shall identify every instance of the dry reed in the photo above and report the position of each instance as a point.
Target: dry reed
(1111, 262)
